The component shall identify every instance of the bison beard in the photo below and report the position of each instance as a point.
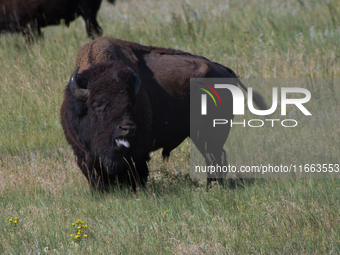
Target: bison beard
(100, 126)
(128, 100)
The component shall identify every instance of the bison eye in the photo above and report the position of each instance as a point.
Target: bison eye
(99, 107)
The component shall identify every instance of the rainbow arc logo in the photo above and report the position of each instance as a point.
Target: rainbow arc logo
(204, 97)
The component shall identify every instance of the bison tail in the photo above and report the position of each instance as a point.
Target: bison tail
(257, 98)
(259, 101)
(111, 1)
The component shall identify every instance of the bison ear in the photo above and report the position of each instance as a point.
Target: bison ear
(81, 94)
(137, 81)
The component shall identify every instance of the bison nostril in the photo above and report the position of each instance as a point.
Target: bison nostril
(126, 130)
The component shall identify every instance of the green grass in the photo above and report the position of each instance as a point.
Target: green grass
(42, 186)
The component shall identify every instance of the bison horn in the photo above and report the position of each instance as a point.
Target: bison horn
(137, 81)
(81, 94)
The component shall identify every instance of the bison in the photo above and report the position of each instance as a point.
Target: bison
(15, 15)
(125, 100)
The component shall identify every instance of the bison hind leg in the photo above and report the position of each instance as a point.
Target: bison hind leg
(166, 151)
(212, 159)
(224, 179)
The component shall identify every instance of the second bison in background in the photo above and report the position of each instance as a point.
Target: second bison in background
(15, 15)
(128, 100)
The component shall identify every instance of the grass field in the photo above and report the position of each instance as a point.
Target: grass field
(41, 185)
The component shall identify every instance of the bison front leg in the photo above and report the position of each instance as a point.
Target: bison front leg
(142, 172)
(32, 32)
(88, 168)
(28, 34)
(136, 174)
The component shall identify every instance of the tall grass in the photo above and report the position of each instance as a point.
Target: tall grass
(42, 186)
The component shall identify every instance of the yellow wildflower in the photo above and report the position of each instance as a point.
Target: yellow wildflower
(10, 219)
(85, 235)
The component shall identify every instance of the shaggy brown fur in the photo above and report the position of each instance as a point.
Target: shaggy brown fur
(161, 109)
(15, 15)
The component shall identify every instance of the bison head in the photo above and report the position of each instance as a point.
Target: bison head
(103, 101)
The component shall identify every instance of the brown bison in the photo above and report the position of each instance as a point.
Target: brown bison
(15, 15)
(125, 100)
